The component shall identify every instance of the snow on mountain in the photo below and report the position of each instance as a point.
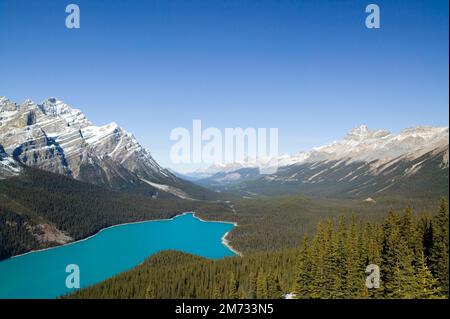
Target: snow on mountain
(73, 117)
(56, 137)
(283, 160)
(360, 144)
(287, 160)
(8, 167)
(364, 161)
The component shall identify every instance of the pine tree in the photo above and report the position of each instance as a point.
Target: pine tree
(217, 292)
(303, 269)
(339, 240)
(233, 287)
(410, 232)
(426, 283)
(331, 266)
(399, 256)
(273, 287)
(390, 251)
(261, 285)
(439, 259)
(252, 286)
(318, 276)
(426, 230)
(375, 235)
(354, 280)
(403, 284)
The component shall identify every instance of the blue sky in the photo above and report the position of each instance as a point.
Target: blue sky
(310, 68)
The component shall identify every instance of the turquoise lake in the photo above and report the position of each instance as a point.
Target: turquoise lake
(42, 274)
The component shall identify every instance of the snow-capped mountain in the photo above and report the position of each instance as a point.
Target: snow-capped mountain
(360, 144)
(363, 159)
(56, 137)
(8, 167)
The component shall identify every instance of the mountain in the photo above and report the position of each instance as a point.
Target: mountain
(58, 138)
(362, 144)
(363, 163)
(8, 167)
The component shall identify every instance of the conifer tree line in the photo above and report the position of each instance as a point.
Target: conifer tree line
(410, 251)
(173, 274)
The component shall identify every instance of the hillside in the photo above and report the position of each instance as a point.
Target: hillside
(40, 209)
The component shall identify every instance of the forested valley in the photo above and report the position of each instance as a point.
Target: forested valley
(75, 208)
(79, 209)
(410, 249)
(303, 246)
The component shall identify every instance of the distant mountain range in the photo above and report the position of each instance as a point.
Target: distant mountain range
(363, 163)
(58, 138)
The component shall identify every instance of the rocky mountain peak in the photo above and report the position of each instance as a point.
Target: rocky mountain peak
(56, 137)
(6, 105)
(362, 132)
(55, 107)
(28, 103)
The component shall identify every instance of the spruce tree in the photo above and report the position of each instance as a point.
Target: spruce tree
(252, 286)
(331, 266)
(403, 284)
(399, 256)
(303, 272)
(439, 252)
(426, 231)
(273, 287)
(426, 284)
(354, 280)
(261, 285)
(233, 286)
(217, 292)
(339, 246)
(375, 235)
(317, 271)
(390, 252)
(410, 232)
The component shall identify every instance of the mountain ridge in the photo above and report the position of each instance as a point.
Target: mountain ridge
(58, 138)
(364, 163)
(360, 143)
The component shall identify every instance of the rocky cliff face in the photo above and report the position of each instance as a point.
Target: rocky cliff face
(8, 167)
(56, 137)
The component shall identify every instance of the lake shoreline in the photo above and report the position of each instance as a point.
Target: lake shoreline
(225, 242)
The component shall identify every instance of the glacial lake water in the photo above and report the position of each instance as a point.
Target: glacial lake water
(42, 274)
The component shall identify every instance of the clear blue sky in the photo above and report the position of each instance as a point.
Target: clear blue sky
(310, 68)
